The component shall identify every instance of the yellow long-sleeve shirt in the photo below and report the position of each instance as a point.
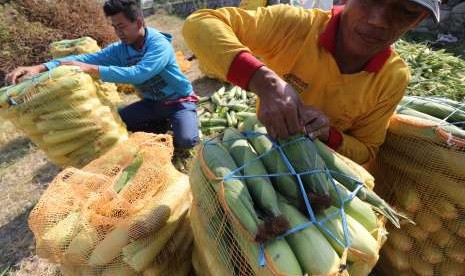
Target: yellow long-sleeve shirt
(297, 44)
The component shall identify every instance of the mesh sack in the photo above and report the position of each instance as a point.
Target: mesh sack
(226, 210)
(107, 92)
(69, 47)
(119, 215)
(421, 171)
(60, 112)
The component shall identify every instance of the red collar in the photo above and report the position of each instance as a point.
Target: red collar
(327, 40)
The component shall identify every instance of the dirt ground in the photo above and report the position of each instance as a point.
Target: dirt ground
(25, 173)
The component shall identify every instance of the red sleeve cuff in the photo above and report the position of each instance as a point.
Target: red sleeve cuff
(242, 69)
(335, 138)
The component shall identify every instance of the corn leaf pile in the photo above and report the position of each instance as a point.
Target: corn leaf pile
(433, 72)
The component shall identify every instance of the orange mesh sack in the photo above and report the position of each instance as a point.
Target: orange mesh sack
(61, 113)
(250, 215)
(421, 169)
(122, 214)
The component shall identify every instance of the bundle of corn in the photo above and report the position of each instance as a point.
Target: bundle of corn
(422, 167)
(85, 45)
(69, 47)
(227, 107)
(60, 112)
(125, 213)
(250, 191)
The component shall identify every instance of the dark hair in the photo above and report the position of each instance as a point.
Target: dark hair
(130, 8)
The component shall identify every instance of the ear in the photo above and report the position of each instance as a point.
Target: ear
(140, 23)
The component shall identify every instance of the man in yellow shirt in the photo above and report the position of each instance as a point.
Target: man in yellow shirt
(330, 74)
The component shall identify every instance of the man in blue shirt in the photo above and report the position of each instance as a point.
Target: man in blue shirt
(145, 58)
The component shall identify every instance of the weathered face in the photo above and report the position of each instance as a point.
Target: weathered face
(127, 31)
(369, 26)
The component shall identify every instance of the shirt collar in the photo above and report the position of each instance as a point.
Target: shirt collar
(327, 40)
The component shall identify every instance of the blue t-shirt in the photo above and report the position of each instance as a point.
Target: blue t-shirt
(153, 69)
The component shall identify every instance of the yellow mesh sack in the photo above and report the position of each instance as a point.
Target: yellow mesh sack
(122, 214)
(420, 169)
(107, 92)
(61, 113)
(69, 47)
(227, 234)
(252, 4)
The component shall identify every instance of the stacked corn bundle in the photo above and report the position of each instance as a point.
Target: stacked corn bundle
(274, 209)
(227, 107)
(60, 112)
(423, 172)
(125, 213)
(86, 45)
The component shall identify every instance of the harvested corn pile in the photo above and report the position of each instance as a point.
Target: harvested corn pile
(422, 168)
(250, 190)
(227, 107)
(434, 73)
(86, 45)
(60, 112)
(125, 213)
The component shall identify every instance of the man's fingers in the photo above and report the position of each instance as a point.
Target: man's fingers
(292, 121)
(321, 133)
(13, 76)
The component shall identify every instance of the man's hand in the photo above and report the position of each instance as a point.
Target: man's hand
(85, 67)
(279, 104)
(20, 73)
(316, 123)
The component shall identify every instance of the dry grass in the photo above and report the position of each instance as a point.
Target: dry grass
(25, 173)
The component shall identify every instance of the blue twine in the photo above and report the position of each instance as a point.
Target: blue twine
(313, 220)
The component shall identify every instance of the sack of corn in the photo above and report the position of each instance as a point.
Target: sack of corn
(86, 45)
(60, 112)
(125, 213)
(69, 47)
(421, 168)
(287, 208)
(229, 106)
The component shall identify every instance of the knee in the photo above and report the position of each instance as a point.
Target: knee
(185, 141)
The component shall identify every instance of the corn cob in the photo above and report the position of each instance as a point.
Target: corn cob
(63, 136)
(81, 246)
(128, 173)
(356, 208)
(344, 166)
(421, 267)
(428, 222)
(170, 202)
(456, 252)
(139, 254)
(303, 156)
(431, 254)
(422, 117)
(364, 194)
(445, 209)
(458, 227)
(435, 108)
(260, 188)
(216, 161)
(59, 236)
(119, 271)
(400, 241)
(362, 244)
(314, 252)
(416, 232)
(398, 259)
(451, 269)
(443, 238)
(274, 164)
(110, 247)
(69, 146)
